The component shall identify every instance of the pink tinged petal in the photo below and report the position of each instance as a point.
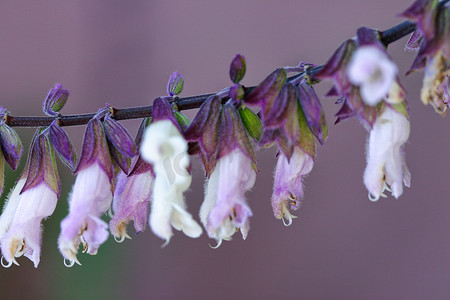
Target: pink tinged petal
(386, 165)
(373, 71)
(130, 202)
(23, 236)
(91, 197)
(288, 187)
(225, 209)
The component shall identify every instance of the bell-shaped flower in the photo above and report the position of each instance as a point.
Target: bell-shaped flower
(33, 198)
(90, 198)
(386, 167)
(131, 200)
(288, 186)
(165, 149)
(225, 210)
(373, 71)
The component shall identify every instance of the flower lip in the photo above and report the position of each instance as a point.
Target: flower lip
(91, 197)
(225, 210)
(164, 147)
(386, 167)
(373, 71)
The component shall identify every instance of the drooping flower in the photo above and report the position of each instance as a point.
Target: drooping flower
(288, 186)
(225, 209)
(131, 200)
(33, 198)
(291, 119)
(229, 163)
(165, 149)
(386, 167)
(90, 198)
(23, 236)
(373, 71)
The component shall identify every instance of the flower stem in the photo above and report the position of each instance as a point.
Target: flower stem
(388, 36)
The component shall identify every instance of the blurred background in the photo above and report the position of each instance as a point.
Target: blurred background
(342, 246)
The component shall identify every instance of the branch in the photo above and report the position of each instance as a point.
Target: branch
(388, 36)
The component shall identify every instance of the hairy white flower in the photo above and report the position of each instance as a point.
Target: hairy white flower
(225, 209)
(20, 229)
(165, 148)
(91, 197)
(386, 167)
(373, 71)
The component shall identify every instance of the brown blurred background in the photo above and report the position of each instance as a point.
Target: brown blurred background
(342, 246)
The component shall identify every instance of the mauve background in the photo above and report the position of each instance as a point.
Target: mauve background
(342, 246)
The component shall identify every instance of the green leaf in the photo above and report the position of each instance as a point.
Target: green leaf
(251, 122)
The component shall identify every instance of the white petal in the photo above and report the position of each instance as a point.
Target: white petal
(9, 209)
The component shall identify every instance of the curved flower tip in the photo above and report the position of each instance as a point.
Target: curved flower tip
(91, 197)
(386, 167)
(373, 71)
(288, 187)
(225, 210)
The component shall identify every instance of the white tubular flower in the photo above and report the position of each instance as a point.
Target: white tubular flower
(91, 197)
(132, 195)
(165, 148)
(22, 218)
(386, 167)
(373, 71)
(225, 209)
(9, 209)
(288, 187)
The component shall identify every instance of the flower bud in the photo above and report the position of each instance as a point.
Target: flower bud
(237, 68)
(56, 99)
(175, 84)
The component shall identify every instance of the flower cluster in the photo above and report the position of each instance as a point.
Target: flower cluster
(144, 179)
